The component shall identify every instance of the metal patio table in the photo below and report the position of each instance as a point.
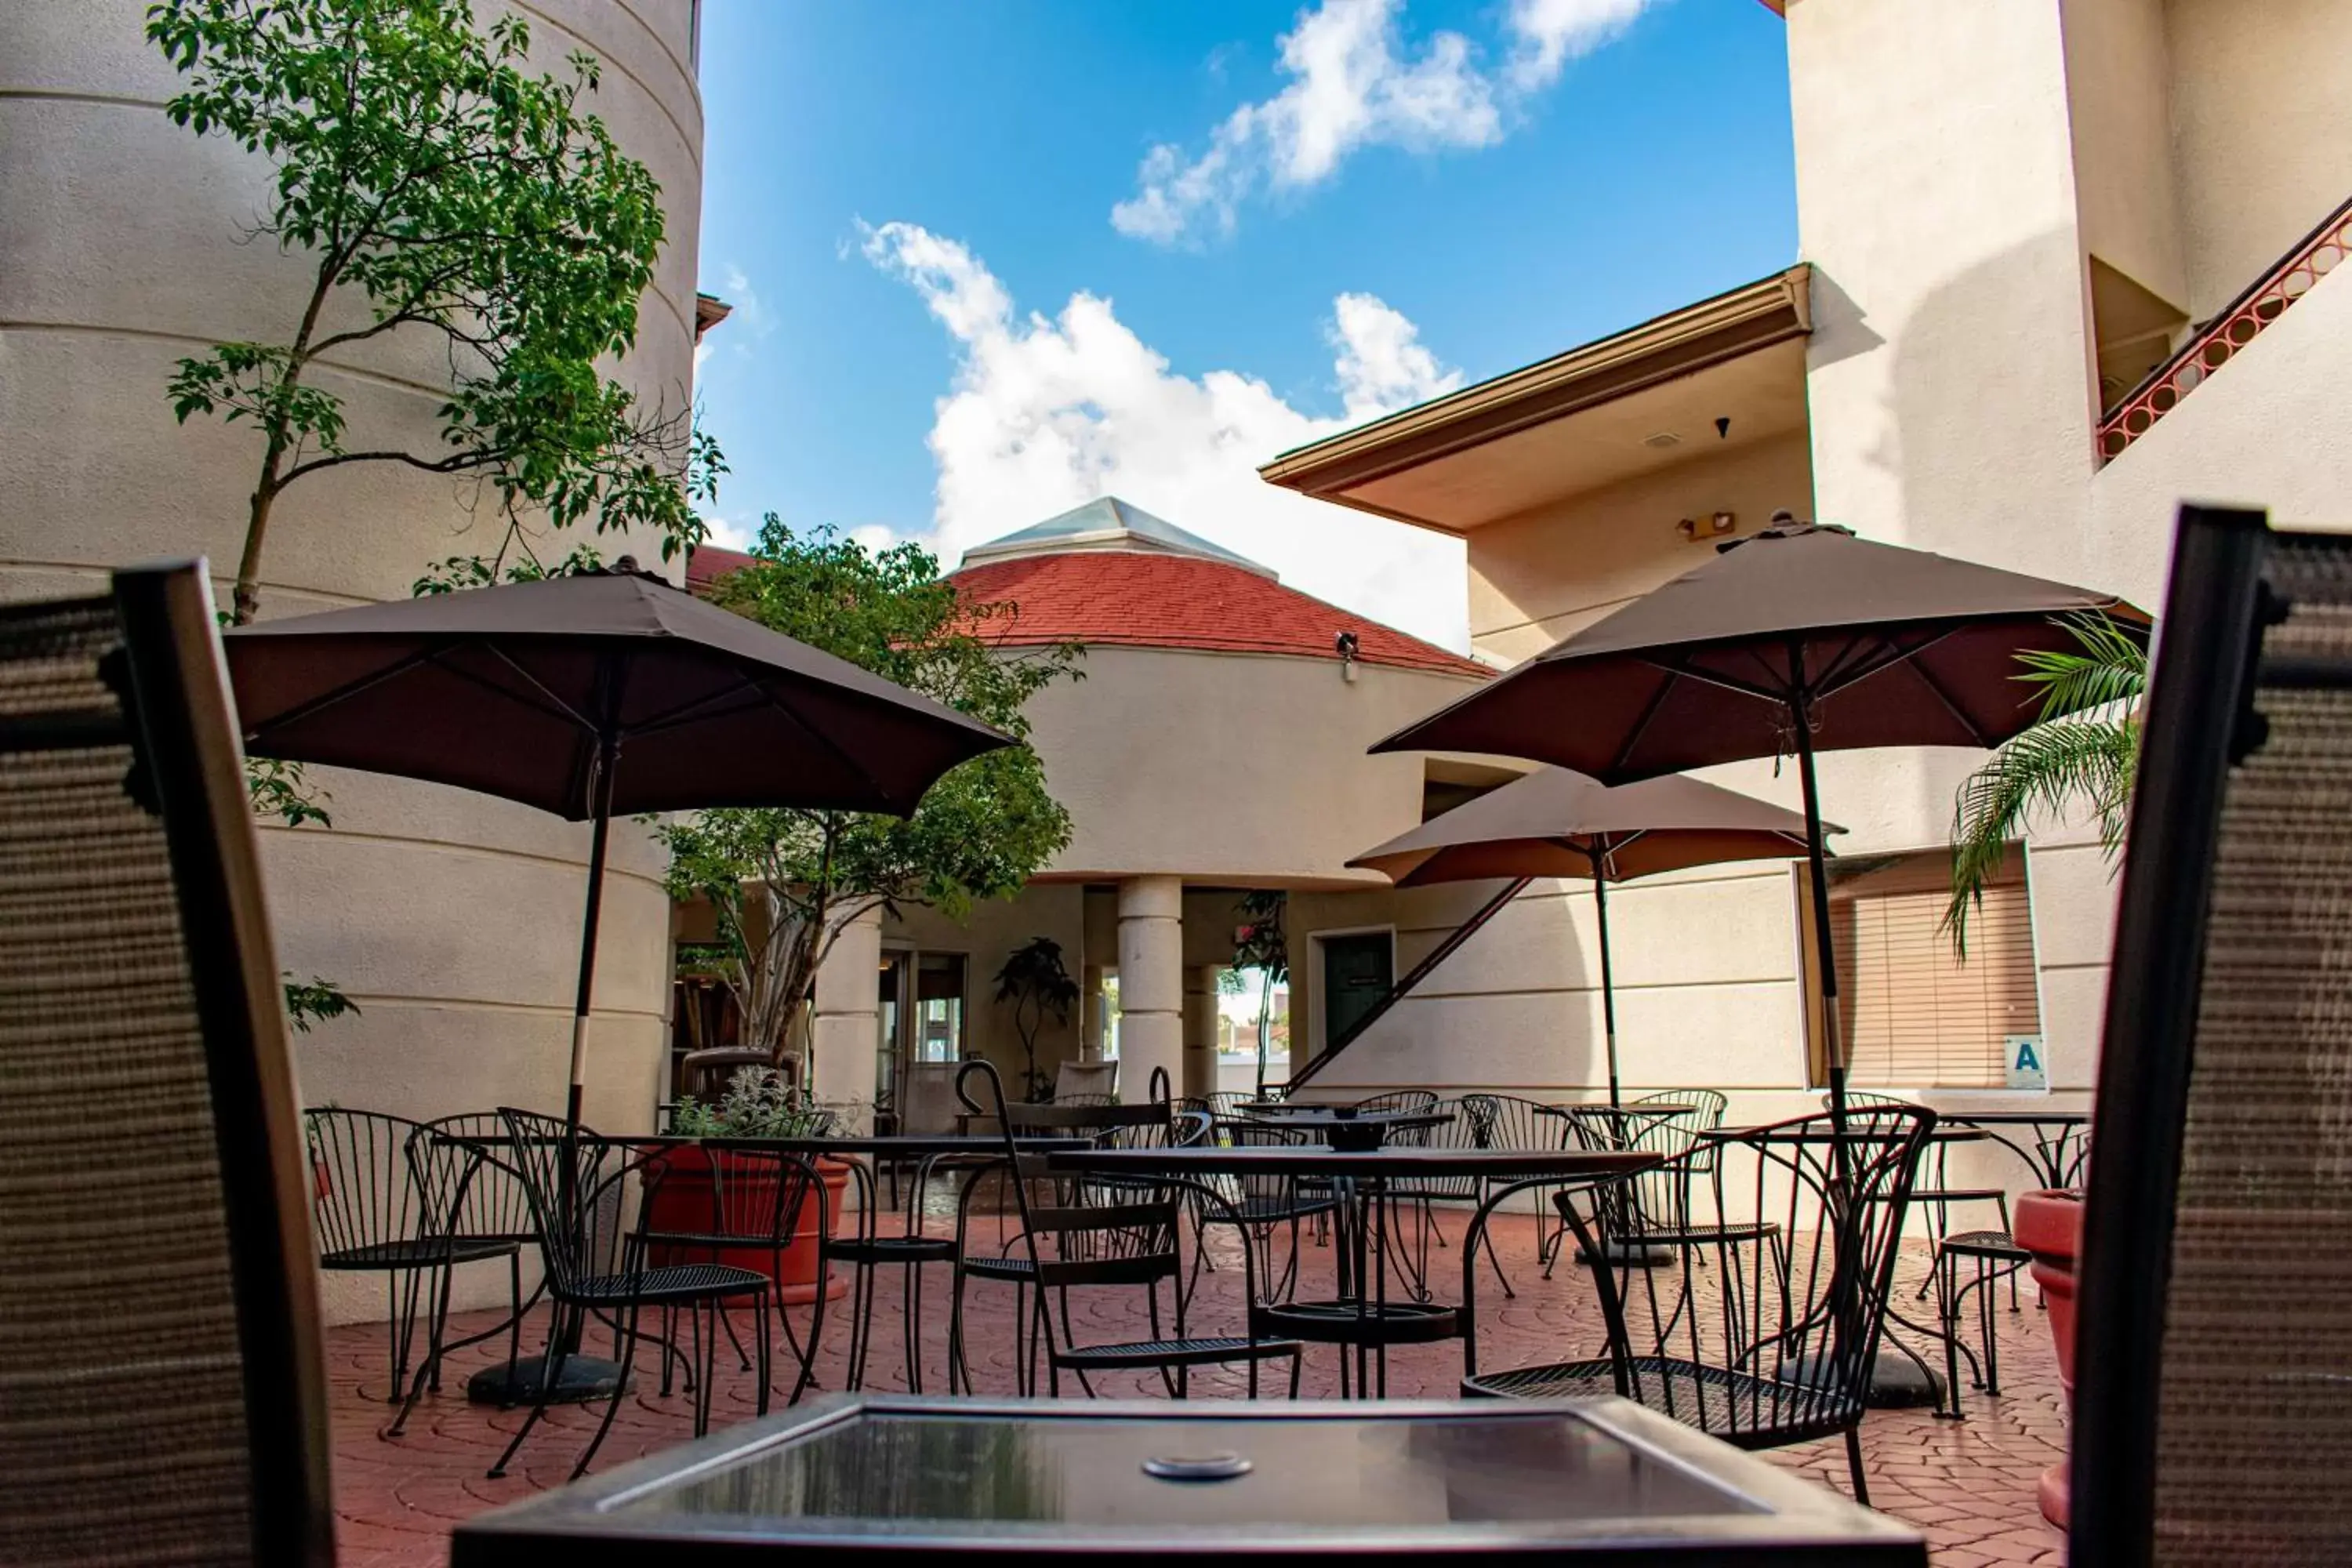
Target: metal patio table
(1360, 1317)
(1901, 1378)
(869, 1249)
(902, 1479)
(2056, 1156)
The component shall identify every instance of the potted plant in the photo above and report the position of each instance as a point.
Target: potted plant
(757, 1103)
(1037, 986)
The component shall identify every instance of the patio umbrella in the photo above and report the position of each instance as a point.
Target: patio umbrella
(1555, 823)
(1796, 639)
(587, 696)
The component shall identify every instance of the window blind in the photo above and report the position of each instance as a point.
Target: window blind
(1914, 1015)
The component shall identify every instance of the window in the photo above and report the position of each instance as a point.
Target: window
(1912, 1014)
(1356, 970)
(938, 1007)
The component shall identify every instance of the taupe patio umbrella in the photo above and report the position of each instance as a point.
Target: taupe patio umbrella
(1797, 639)
(1556, 823)
(587, 696)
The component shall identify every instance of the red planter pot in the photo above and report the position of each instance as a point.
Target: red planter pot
(682, 1203)
(2049, 1224)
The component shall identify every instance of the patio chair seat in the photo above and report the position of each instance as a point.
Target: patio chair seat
(675, 1282)
(417, 1253)
(1150, 1354)
(1012, 1270)
(1261, 1208)
(1699, 1234)
(1743, 1409)
(1997, 1245)
(891, 1249)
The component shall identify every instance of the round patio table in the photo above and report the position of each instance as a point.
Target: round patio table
(1359, 1316)
(2056, 1157)
(867, 1250)
(1904, 1384)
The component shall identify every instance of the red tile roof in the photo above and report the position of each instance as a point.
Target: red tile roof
(1134, 599)
(705, 563)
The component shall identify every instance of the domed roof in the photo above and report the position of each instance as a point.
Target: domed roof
(1110, 574)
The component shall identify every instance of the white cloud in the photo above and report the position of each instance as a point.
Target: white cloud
(732, 533)
(1045, 414)
(1548, 34)
(1354, 83)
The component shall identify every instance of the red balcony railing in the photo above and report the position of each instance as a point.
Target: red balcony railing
(2320, 253)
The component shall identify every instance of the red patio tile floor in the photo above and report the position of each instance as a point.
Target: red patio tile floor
(1968, 1486)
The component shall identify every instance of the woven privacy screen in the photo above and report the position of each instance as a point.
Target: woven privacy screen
(123, 1425)
(2214, 1356)
(2254, 1430)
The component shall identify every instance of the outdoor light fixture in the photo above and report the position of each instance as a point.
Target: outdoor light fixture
(1712, 526)
(1345, 643)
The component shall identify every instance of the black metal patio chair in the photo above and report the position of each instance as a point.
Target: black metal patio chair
(458, 1166)
(372, 1214)
(1774, 1344)
(1085, 1234)
(599, 1265)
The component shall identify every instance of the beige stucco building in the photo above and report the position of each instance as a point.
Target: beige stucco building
(451, 919)
(2010, 213)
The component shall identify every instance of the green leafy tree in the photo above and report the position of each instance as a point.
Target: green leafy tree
(784, 884)
(1038, 986)
(1260, 943)
(443, 196)
(2082, 753)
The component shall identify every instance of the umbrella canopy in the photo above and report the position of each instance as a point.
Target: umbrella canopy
(1797, 639)
(1885, 646)
(586, 695)
(1555, 823)
(515, 690)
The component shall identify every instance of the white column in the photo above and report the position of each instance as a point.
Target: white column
(846, 1036)
(1094, 1014)
(1151, 983)
(1200, 1032)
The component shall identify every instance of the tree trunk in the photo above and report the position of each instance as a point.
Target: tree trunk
(246, 598)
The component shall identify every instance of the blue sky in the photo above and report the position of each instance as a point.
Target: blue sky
(971, 294)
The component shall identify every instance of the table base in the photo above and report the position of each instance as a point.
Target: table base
(585, 1377)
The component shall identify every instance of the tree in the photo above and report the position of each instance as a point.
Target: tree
(1034, 981)
(784, 884)
(439, 192)
(2081, 750)
(1259, 943)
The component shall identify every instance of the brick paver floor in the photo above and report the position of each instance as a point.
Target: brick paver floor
(1968, 1486)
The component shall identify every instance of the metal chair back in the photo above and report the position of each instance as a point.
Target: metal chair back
(468, 1182)
(1793, 1302)
(166, 1393)
(577, 1188)
(2215, 1306)
(366, 1208)
(1085, 1077)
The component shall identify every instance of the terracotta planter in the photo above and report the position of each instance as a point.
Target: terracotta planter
(682, 1203)
(2049, 1224)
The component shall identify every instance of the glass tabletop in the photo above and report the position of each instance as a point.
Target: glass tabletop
(893, 1467)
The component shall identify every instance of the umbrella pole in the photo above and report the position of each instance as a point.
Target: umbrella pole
(588, 922)
(1607, 982)
(1816, 863)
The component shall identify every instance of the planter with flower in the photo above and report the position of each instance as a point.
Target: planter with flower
(698, 1183)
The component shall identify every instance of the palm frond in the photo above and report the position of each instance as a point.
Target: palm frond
(2045, 771)
(2110, 670)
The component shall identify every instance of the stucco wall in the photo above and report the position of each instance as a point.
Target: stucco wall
(2118, 85)
(2260, 95)
(1535, 579)
(1228, 767)
(450, 918)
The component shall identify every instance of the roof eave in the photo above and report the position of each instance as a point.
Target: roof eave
(1756, 316)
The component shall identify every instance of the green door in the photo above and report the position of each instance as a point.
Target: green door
(1357, 973)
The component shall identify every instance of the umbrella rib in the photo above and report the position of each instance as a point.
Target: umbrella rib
(776, 700)
(693, 713)
(302, 711)
(1976, 730)
(1649, 711)
(1898, 654)
(562, 709)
